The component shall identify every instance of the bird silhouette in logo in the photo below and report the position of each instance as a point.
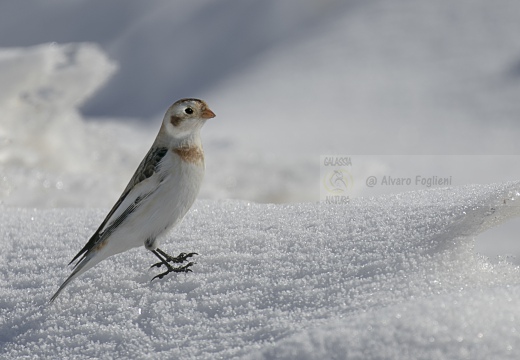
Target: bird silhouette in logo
(338, 181)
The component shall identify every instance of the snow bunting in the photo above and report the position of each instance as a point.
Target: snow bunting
(157, 197)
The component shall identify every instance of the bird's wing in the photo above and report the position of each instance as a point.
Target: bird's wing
(149, 167)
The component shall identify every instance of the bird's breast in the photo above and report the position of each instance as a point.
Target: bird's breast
(190, 154)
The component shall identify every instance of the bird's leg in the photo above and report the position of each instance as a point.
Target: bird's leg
(165, 258)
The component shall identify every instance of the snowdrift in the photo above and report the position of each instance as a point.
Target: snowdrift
(386, 277)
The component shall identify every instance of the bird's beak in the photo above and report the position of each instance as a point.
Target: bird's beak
(207, 114)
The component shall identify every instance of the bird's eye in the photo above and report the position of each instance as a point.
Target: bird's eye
(188, 111)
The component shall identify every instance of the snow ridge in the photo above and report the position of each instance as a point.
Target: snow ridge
(387, 277)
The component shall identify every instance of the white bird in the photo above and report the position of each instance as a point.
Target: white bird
(157, 197)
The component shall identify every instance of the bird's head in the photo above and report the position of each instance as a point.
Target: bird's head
(184, 119)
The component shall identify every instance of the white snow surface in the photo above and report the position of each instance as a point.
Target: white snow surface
(392, 277)
(289, 81)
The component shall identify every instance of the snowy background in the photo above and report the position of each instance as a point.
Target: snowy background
(396, 272)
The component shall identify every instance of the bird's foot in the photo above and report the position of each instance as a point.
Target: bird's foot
(166, 259)
(179, 259)
(185, 268)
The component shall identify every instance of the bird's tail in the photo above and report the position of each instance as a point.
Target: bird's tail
(86, 263)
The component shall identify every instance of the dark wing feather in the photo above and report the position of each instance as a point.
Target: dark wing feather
(149, 166)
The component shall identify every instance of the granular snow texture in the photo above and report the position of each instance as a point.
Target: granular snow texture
(389, 277)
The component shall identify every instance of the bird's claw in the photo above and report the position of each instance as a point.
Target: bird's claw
(182, 257)
(185, 268)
